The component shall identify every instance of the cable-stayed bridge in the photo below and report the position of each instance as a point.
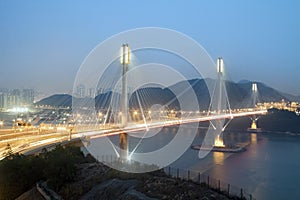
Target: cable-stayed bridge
(141, 118)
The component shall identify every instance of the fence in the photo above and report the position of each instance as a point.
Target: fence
(213, 183)
(227, 189)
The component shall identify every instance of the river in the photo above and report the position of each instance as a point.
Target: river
(269, 169)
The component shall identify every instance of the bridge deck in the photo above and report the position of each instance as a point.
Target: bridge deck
(28, 140)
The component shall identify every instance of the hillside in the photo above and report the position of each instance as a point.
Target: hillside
(275, 121)
(73, 176)
(239, 95)
(56, 100)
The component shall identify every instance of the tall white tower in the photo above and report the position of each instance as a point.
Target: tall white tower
(123, 138)
(124, 60)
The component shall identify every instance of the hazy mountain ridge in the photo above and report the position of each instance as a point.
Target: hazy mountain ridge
(291, 97)
(239, 95)
(57, 100)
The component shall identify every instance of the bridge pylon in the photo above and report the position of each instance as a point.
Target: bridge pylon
(123, 144)
(123, 138)
(219, 105)
(125, 60)
(253, 127)
(254, 118)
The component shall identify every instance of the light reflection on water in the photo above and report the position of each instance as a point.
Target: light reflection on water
(269, 169)
(219, 158)
(253, 138)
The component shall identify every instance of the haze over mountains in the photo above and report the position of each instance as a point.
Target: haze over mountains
(239, 94)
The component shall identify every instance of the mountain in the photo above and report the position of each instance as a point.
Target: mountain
(291, 97)
(200, 89)
(244, 81)
(147, 97)
(239, 94)
(56, 100)
(265, 93)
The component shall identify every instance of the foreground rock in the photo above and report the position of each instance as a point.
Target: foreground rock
(169, 188)
(31, 194)
(116, 189)
(96, 181)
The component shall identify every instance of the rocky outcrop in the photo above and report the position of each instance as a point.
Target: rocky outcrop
(116, 189)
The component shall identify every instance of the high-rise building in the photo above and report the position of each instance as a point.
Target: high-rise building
(14, 98)
(91, 92)
(27, 96)
(3, 100)
(80, 90)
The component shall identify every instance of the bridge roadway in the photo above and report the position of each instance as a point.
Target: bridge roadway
(28, 140)
(159, 124)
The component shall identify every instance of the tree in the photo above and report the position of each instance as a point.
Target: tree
(60, 165)
(19, 173)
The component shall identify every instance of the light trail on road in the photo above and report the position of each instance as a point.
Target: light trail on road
(29, 140)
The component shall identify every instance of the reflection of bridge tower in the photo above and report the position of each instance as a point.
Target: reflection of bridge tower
(254, 127)
(124, 60)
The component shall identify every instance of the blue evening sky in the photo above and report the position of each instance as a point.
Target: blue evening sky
(43, 43)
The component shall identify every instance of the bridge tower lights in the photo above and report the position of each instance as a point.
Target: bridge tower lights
(254, 93)
(123, 138)
(220, 69)
(254, 127)
(218, 140)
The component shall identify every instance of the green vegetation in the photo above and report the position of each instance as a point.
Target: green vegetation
(19, 173)
(275, 121)
(280, 120)
(72, 175)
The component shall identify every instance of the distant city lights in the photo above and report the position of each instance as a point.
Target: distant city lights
(18, 110)
(61, 128)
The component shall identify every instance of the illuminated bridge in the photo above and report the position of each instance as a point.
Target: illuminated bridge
(26, 139)
(88, 124)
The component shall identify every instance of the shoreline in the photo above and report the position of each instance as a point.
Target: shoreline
(281, 132)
